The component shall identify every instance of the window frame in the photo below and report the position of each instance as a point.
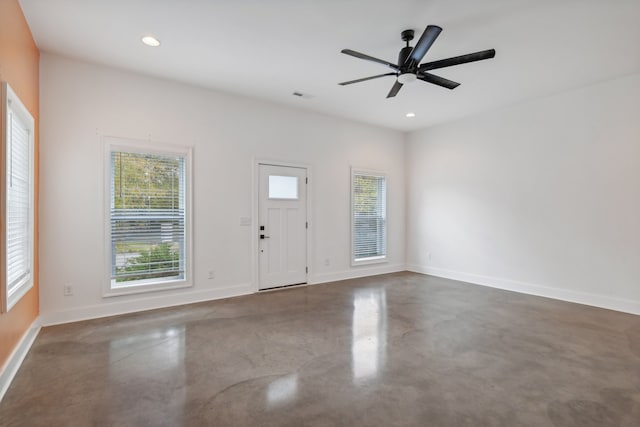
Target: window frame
(376, 259)
(11, 104)
(116, 144)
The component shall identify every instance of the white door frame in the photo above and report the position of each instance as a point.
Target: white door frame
(255, 195)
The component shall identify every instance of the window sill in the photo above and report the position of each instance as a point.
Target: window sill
(369, 260)
(146, 288)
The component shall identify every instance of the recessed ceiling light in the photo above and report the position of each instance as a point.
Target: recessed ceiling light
(151, 41)
(410, 115)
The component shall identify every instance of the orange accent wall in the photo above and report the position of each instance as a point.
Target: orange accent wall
(19, 66)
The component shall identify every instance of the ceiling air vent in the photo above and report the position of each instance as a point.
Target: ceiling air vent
(302, 95)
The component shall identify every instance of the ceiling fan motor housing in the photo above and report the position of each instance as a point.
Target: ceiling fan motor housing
(402, 57)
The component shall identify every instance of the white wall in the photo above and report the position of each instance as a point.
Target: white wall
(82, 102)
(541, 197)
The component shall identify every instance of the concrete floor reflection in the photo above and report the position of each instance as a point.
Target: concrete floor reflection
(369, 327)
(160, 353)
(282, 390)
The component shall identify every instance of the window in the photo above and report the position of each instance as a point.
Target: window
(369, 217)
(18, 198)
(148, 227)
(283, 187)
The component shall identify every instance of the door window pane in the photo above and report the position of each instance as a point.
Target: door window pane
(283, 187)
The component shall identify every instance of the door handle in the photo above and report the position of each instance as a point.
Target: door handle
(262, 236)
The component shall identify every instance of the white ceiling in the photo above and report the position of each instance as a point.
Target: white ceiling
(268, 49)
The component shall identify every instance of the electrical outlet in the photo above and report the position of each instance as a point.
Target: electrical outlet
(68, 290)
(327, 262)
(428, 256)
(212, 274)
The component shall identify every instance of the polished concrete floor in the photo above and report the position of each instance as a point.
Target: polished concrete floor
(394, 350)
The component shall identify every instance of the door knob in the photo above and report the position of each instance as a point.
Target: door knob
(262, 236)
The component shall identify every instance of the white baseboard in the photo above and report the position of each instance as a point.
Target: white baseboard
(357, 272)
(143, 303)
(617, 304)
(10, 368)
(49, 318)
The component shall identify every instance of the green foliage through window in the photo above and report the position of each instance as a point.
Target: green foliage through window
(154, 261)
(145, 181)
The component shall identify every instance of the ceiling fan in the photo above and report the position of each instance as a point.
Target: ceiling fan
(409, 68)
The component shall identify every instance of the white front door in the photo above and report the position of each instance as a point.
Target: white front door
(282, 226)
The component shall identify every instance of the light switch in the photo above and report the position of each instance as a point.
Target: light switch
(245, 220)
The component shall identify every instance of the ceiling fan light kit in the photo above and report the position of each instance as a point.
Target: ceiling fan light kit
(408, 69)
(405, 78)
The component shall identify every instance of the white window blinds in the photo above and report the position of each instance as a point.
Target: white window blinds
(147, 218)
(18, 128)
(18, 204)
(369, 202)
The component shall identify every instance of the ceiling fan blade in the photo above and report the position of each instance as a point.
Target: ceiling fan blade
(395, 89)
(368, 58)
(437, 80)
(429, 36)
(364, 79)
(456, 60)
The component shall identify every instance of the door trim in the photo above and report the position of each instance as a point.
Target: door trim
(255, 185)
